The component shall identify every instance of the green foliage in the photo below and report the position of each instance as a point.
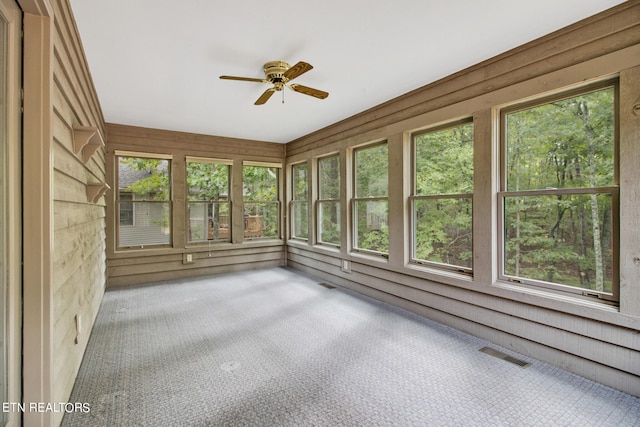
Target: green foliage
(444, 161)
(207, 181)
(260, 183)
(444, 166)
(329, 178)
(372, 171)
(300, 182)
(561, 238)
(153, 187)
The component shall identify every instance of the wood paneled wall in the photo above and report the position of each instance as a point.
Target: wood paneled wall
(79, 260)
(131, 266)
(593, 339)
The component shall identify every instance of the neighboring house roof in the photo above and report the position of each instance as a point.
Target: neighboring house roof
(130, 176)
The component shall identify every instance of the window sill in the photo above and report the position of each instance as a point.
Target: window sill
(560, 297)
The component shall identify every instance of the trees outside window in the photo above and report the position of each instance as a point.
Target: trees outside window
(300, 201)
(143, 201)
(208, 207)
(559, 192)
(441, 200)
(261, 201)
(370, 202)
(329, 200)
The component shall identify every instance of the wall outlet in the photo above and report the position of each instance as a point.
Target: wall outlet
(346, 266)
(187, 259)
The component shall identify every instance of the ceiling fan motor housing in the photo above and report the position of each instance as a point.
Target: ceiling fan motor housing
(275, 70)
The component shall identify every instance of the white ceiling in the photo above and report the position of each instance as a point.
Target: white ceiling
(156, 63)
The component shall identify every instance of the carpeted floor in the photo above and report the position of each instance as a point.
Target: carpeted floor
(276, 348)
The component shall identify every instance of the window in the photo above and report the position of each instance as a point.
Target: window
(559, 193)
(299, 202)
(208, 200)
(441, 200)
(261, 201)
(370, 202)
(126, 209)
(143, 201)
(329, 200)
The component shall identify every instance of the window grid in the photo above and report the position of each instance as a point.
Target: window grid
(370, 203)
(441, 217)
(144, 188)
(328, 203)
(570, 200)
(261, 202)
(299, 205)
(208, 206)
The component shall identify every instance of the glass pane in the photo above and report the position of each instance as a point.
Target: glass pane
(126, 209)
(565, 239)
(207, 181)
(443, 231)
(147, 179)
(261, 220)
(444, 161)
(208, 221)
(300, 220)
(372, 230)
(567, 143)
(151, 225)
(329, 178)
(260, 183)
(329, 222)
(372, 172)
(299, 181)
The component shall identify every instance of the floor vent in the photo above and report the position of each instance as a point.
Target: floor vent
(500, 355)
(326, 285)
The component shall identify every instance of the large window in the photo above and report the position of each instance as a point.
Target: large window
(299, 202)
(329, 200)
(442, 196)
(261, 201)
(143, 201)
(559, 193)
(370, 201)
(208, 200)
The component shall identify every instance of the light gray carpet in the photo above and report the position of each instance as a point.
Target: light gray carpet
(275, 348)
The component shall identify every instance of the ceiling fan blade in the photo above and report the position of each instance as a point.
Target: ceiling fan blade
(265, 96)
(297, 70)
(309, 91)
(244, 79)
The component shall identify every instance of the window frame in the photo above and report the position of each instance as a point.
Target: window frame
(355, 199)
(277, 202)
(169, 202)
(188, 203)
(301, 202)
(612, 190)
(414, 197)
(320, 201)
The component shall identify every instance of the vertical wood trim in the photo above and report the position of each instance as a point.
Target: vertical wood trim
(12, 204)
(111, 214)
(313, 196)
(237, 206)
(629, 192)
(346, 190)
(485, 229)
(178, 202)
(38, 217)
(397, 220)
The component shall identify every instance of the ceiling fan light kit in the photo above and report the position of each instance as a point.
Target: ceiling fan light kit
(279, 74)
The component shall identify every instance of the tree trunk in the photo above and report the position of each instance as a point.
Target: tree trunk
(583, 111)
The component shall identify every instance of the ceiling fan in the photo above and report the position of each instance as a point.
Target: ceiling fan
(279, 74)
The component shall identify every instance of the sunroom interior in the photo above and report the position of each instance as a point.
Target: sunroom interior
(501, 200)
